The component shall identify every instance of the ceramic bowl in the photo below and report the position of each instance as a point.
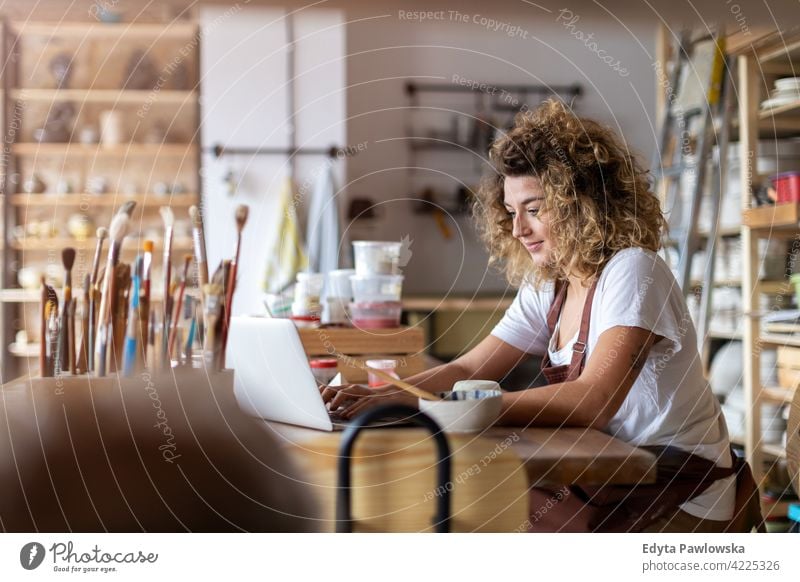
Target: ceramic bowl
(463, 411)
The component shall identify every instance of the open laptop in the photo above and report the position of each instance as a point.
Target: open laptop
(273, 379)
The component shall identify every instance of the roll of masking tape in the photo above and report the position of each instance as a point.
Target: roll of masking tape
(475, 385)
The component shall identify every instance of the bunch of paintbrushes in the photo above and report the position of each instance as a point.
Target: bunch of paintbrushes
(121, 331)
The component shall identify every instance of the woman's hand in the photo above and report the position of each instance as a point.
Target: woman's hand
(351, 400)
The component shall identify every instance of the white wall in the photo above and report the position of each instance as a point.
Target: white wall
(384, 51)
(372, 51)
(244, 104)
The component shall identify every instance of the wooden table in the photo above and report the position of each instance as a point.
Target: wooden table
(491, 472)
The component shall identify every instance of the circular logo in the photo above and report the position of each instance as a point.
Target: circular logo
(31, 555)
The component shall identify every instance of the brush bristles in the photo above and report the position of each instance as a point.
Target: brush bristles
(241, 215)
(119, 227)
(167, 215)
(68, 258)
(102, 233)
(128, 207)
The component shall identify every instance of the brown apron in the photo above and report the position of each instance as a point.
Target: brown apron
(680, 476)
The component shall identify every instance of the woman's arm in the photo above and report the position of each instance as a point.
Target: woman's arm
(491, 359)
(592, 399)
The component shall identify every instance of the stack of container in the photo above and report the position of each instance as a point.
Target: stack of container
(376, 285)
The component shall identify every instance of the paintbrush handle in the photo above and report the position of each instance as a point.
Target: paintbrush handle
(418, 392)
(71, 338)
(62, 351)
(83, 352)
(43, 335)
(174, 330)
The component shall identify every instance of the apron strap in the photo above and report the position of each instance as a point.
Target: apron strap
(579, 347)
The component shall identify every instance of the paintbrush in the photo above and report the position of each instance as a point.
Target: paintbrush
(418, 392)
(43, 330)
(117, 232)
(212, 308)
(224, 277)
(53, 368)
(119, 312)
(130, 351)
(198, 238)
(91, 330)
(64, 352)
(187, 261)
(144, 294)
(169, 222)
(83, 351)
(51, 337)
(127, 208)
(71, 336)
(241, 219)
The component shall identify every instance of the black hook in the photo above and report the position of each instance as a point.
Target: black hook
(344, 519)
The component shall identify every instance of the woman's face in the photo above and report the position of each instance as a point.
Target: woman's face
(523, 197)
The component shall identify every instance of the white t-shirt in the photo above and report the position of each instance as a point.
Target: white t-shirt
(670, 403)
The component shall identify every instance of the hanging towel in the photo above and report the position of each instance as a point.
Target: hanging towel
(286, 257)
(324, 228)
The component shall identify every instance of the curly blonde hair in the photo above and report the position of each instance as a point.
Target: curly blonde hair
(597, 196)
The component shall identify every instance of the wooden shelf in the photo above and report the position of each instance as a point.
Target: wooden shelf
(450, 303)
(116, 96)
(780, 339)
(115, 151)
(779, 110)
(767, 287)
(30, 350)
(109, 199)
(726, 335)
(34, 295)
(50, 244)
(127, 30)
(784, 49)
(776, 451)
(777, 394)
(775, 217)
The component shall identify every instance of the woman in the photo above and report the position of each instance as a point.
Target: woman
(570, 215)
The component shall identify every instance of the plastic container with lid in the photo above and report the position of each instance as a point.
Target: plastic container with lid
(388, 366)
(377, 257)
(376, 315)
(787, 186)
(338, 284)
(376, 288)
(324, 369)
(306, 305)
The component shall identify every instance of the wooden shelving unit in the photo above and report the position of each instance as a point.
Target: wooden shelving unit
(156, 152)
(779, 221)
(114, 199)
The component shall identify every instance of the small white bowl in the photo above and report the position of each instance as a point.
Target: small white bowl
(463, 411)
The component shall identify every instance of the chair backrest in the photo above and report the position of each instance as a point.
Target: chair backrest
(394, 482)
(793, 441)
